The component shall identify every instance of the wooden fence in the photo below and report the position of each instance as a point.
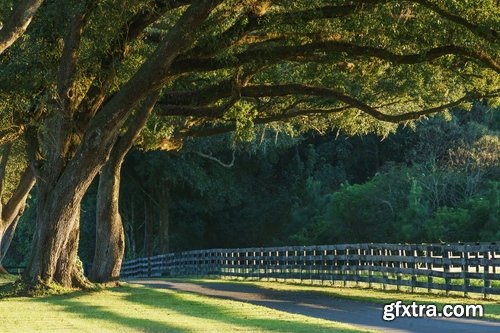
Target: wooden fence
(467, 268)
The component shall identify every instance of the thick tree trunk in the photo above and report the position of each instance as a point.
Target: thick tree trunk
(110, 238)
(55, 243)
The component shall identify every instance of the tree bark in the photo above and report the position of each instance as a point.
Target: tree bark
(17, 22)
(110, 236)
(110, 239)
(55, 243)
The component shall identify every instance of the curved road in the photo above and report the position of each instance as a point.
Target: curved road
(360, 314)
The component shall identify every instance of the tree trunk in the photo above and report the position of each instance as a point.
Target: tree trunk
(55, 244)
(164, 222)
(130, 232)
(110, 236)
(148, 228)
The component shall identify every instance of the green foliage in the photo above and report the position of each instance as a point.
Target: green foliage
(16, 164)
(415, 214)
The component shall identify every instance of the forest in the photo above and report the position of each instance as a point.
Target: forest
(437, 182)
(132, 128)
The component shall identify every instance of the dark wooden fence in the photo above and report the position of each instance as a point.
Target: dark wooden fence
(467, 268)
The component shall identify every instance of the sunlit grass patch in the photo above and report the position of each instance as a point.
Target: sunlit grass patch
(141, 309)
(7, 278)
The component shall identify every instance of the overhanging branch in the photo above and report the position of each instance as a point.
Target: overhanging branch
(293, 53)
(350, 103)
(18, 21)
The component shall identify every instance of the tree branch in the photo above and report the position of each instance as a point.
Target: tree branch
(210, 157)
(490, 35)
(293, 53)
(18, 21)
(252, 22)
(11, 134)
(125, 142)
(95, 96)
(4, 157)
(69, 58)
(102, 131)
(298, 89)
(17, 201)
(199, 111)
(351, 104)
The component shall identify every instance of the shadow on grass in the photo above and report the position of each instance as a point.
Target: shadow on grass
(313, 304)
(100, 313)
(174, 303)
(173, 300)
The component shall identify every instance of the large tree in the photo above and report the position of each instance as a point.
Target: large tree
(224, 65)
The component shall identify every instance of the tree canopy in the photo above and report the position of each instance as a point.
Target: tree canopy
(347, 64)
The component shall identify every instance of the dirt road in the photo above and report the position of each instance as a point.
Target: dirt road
(360, 314)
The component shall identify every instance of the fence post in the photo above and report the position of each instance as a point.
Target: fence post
(413, 270)
(370, 266)
(486, 270)
(465, 270)
(402, 260)
(430, 265)
(344, 275)
(446, 268)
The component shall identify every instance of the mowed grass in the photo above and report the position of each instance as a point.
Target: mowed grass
(7, 278)
(491, 306)
(133, 308)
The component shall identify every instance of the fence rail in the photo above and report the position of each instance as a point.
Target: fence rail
(467, 268)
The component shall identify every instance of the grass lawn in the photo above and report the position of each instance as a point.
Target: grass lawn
(491, 307)
(139, 309)
(4, 279)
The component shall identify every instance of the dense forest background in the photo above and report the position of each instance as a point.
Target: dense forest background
(438, 182)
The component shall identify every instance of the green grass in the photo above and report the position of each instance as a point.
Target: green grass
(7, 278)
(139, 309)
(491, 307)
